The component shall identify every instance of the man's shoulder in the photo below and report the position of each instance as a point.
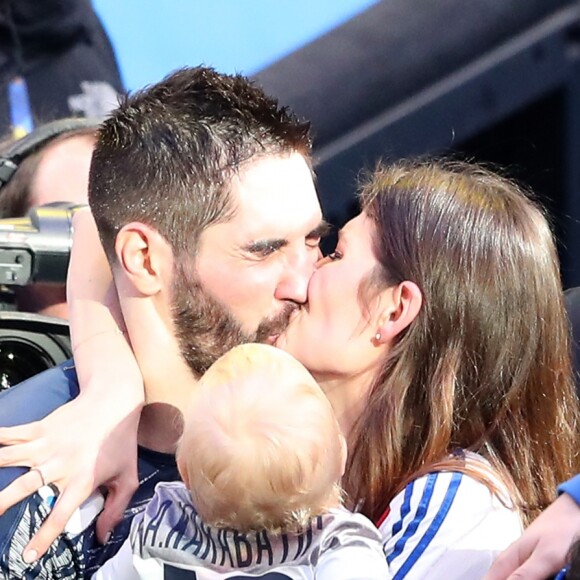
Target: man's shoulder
(38, 396)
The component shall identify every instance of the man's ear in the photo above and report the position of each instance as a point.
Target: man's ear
(405, 303)
(145, 257)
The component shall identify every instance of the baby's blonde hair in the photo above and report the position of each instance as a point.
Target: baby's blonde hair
(261, 446)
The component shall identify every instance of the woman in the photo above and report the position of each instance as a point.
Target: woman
(455, 357)
(437, 331)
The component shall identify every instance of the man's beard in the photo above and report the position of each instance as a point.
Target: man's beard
(204, 328)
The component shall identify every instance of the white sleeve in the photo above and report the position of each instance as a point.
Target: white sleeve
(352, 563)
(351, 551)
(121, 566)
(446, 526)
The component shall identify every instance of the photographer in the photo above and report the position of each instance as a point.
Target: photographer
(49, 165)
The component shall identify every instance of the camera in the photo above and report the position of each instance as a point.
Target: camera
(33, 249)
(36, 248)
(30, 344)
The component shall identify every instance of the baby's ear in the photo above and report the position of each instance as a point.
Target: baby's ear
(343, 454)
(405, 303)
(183, 472)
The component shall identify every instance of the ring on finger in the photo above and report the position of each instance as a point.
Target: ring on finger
(37, 469)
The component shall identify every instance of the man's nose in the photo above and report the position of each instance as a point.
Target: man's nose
(294, 281)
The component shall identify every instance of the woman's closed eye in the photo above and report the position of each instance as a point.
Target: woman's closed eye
(334, 256)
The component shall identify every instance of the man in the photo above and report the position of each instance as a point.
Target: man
(202, 191)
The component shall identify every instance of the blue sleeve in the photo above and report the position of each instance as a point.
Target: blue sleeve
(572, 488)
(30, 401)
(37, 397)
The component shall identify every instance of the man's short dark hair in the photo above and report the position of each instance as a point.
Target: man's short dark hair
(166, 156)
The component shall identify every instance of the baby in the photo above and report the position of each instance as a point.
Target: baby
(261, 459)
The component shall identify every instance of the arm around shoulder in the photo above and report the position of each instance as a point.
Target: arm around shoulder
(91, 440)
(544, 547)
(572, 488)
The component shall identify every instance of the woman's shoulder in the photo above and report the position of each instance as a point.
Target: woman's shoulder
(449, 523)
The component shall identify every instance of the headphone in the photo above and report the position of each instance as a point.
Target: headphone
(34, 141)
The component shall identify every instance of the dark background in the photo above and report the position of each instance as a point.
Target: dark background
(495, 81)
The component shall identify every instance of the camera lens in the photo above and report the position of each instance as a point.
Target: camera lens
(20, 360)
(30, 344)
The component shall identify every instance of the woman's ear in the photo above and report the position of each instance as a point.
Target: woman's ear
(405, 301)
(145, 258)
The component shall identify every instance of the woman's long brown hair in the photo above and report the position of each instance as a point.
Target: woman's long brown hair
(485, 366)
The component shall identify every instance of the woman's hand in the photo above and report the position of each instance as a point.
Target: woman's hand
(88, 442)
(544, 546)
(91, 441)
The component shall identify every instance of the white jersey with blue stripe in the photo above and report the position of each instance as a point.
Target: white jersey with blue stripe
(447, 526)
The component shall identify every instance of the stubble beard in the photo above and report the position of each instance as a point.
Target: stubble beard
(205, 329)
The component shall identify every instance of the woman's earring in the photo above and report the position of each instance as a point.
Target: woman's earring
(378, 337)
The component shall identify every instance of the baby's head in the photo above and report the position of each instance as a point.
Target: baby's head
(261, 447)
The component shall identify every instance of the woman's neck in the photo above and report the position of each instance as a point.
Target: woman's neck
(348, 396)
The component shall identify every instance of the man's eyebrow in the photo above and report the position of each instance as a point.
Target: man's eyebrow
(261, 246)
(321, 230)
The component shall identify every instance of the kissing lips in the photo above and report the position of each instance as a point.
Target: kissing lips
(270, 330)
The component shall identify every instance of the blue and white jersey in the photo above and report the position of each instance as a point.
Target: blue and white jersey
(169, 541)
(76, 553)
(447, 526)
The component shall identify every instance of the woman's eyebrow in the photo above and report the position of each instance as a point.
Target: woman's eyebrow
(321, 230)
(342, 235)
